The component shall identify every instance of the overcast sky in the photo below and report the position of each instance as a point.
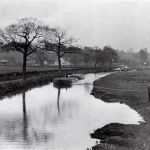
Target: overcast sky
(123, 24)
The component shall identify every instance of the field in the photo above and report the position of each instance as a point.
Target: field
(10, 69)
(129, 88)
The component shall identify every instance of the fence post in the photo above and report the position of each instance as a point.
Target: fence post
(148, 88)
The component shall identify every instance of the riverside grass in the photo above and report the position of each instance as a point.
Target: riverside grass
(17, 86)
(12, 87)
(129, 88)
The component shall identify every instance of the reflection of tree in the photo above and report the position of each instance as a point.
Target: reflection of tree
(58, 94)
(25, 120)
(34, 135)
(34, 127)
(15, 127)
(58, 100)
(87, 87)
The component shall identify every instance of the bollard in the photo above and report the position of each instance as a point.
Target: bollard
(148, 88)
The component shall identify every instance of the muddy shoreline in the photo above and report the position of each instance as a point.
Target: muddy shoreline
(134, 93)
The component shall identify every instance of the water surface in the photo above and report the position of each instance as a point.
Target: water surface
(58, 119)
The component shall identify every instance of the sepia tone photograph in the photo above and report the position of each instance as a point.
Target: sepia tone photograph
(74, 74)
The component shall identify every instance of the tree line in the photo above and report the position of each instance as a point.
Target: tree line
(29, 36)
(94, 55)
(130, 57)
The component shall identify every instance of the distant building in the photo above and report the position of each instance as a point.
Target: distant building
(3, 62)
(63, 62)
(45, 63)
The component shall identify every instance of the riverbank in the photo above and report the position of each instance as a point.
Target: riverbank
(17, 85)
(10, 74)
(129, 88)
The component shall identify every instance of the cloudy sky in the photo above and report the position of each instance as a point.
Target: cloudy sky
(123, 24)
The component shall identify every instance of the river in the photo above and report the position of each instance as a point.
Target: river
(58, 119)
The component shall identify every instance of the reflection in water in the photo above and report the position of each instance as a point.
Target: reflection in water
(33, 135)
(58, 99)
(87, 87)
(25, 121)
(58, 118)
(58, 95)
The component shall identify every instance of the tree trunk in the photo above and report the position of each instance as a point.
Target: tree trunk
(110, 63)
(59, 57)
(86, 65)
(95, 65)
(75, 64)
(59, 63)
(24, 65)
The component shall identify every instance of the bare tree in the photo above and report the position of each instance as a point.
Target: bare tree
(25, 37)
(143, 55)
(59, 43)
(109, 54)
(86, 59)
(93, 54)
(75, 59)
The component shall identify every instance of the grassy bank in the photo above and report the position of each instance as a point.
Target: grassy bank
(129, 88)
(13, 74)
(13, 87)
(8, 88)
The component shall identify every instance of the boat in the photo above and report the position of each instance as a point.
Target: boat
(77, 76)
(62, 82)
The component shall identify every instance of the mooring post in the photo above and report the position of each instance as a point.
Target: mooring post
(148, 88)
